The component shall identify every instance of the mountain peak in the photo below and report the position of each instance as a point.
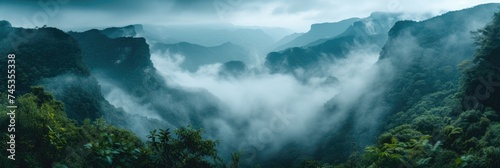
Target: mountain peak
(329, 25)
(4, 23)
(383, 14)
(319, 31)
(126, 31)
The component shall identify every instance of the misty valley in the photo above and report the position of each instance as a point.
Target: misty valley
(385, 90)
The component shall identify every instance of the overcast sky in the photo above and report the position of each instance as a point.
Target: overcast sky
(293, 14)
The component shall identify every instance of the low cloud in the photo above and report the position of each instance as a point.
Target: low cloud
(262, 112)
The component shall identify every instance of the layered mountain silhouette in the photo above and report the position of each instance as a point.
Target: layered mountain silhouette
(286, 39)
(212, 35)
(418, 61)
(196, 56)
(369, 33)
(317, 31)
(125, 62)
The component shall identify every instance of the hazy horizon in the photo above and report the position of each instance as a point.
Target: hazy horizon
(294, 15)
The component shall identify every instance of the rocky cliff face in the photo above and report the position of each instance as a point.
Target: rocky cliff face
(124, 59)
(124, 63)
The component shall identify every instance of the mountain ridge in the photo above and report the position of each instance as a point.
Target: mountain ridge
(196, 55)
(318, 31)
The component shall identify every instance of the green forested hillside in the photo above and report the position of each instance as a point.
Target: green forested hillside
(45, 137)
(72, 132)
(319, 31)
(48, 53)
(415, 92)
(47, 57)
(451, 126)
(450, 131)
(481, 76)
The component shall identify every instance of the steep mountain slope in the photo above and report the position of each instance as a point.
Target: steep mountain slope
(125, 59)
(482, 75)
(47, 53)
(319, 31)
(413, 82)
(433, 49)
(417, 63)
(457, 125)
(124, 63)
(52, 58)
(197, 55)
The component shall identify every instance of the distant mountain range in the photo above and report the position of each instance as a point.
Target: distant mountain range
(285, 40)
(197, 55)
(317, 31)
(256, 39)
(417, 69)
(370, 33)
